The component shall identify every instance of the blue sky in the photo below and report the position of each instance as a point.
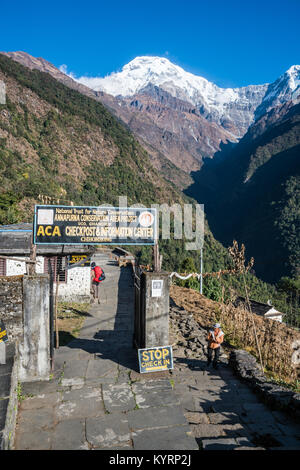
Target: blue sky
(232, 43)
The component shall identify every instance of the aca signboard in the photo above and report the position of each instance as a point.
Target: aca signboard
(81, 225)
(155, 359)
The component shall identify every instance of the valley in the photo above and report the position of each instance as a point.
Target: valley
(160, 134)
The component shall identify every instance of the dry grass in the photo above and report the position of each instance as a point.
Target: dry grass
(275, 339)
(70, 318)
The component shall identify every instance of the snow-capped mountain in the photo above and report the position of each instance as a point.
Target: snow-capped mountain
(285, 88)
(215, 104)
(230, 107)
(159, 71)
(177, 116)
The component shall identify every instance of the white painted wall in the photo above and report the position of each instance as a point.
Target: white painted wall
(78, 284)
(15, 268)
(77, 287)
(274, 317)
(274, 314)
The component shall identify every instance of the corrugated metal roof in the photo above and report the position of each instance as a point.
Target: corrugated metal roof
(15, 239)
(21, 227)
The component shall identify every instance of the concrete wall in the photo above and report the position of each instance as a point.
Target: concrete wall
(156, 311)
(34, 349)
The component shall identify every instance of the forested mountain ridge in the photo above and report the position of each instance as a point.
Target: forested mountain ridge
(252, 193)
(61, 143)
(157, 155)
(72, 143)
(57, 142)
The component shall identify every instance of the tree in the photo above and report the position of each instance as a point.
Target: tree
(212, 288)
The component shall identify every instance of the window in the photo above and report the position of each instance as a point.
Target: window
(58, 265)
(2, 267)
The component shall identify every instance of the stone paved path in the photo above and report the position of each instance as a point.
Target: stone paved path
(223, 412)
(97, 399)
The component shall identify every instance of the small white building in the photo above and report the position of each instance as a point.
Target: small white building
(74, 282)
(259, 308)
(274, 314)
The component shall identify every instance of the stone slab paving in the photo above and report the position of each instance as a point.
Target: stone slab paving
(97, 399)
(223, 412)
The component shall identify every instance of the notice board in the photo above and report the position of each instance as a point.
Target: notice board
(155, 359)
(88, 225)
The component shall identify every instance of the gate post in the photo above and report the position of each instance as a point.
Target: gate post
(156, 288)
(34, 350)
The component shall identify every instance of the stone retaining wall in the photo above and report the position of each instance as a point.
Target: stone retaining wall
(11, 305)
(193, 341)
(8, 398)
(246, 367)
(24, 308)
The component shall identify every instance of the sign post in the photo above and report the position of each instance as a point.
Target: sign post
(156, 258)
(201, 271)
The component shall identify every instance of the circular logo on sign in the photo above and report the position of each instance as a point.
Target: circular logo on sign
(146, 219)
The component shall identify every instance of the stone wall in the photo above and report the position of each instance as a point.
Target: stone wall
(8, 398)
(246, 367)
(24, 308)
(11, 305)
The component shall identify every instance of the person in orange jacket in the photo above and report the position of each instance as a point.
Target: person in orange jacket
(215, 338)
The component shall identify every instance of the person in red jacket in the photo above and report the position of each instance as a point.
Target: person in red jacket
(98, 276)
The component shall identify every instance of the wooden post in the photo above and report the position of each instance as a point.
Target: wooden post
(156, 258)
(201, 271)
(253, 322)
(32, 265)
(56, 305)
(56, 300)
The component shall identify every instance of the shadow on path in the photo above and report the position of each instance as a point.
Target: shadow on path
(113, 341)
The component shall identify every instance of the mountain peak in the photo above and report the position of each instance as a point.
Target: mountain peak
(147, 60)
(293, 74)
(142, 71)
(154, 65)
(161, 72)
(285, 88)
(216, 104)
(294, 69)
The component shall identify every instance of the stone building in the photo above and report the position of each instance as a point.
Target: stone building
(74, 278)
